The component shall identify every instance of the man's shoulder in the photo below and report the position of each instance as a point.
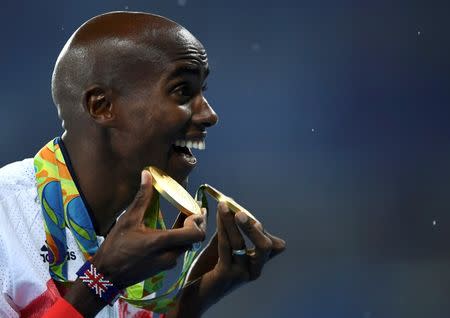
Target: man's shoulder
(18, 192)
(17, 176)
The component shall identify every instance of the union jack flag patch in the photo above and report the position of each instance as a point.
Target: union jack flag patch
(102, 287)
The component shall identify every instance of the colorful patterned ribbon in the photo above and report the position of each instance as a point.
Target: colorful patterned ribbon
(63, 207)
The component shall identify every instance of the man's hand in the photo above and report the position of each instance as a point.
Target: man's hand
(243, 268)
(217, 271)
(133, 252)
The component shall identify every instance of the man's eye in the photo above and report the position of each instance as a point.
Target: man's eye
(182, 91)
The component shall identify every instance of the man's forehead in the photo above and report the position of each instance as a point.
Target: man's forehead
(186, 38)
(184, 55)
(180, 69)
(167, 55)
(180, 44)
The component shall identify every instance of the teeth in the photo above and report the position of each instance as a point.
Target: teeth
(200, 145)
(197, 144)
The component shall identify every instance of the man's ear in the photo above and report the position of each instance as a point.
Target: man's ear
(97, 102)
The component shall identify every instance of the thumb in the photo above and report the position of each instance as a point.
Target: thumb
(136, 210)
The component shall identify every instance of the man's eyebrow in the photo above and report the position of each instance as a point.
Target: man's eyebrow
(187, 69)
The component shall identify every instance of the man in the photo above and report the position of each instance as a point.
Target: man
(129, 91)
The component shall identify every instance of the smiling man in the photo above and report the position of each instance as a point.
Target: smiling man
(129, 88)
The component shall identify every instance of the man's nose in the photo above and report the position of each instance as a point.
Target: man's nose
(203, 114)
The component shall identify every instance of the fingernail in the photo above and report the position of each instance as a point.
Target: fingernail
(144, 177)
(242, 217)
(224, 207)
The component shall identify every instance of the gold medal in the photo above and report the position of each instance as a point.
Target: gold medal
(173, 192)
(232, 205)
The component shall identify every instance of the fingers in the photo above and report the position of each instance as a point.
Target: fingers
(278, 245)
(179, 220)
(136, 210)
(192, 232)
(254, 232)
(206, 260)
(196, 220)
(263, 244)
(184, 236)
(234, 236)
(200, 220)
(224, 249)
(235, 239)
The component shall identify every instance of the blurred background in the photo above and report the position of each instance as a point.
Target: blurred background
(334, 130)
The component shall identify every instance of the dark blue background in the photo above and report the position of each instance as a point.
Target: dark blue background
(334, 130)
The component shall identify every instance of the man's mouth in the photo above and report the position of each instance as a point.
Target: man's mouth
(183, 148)
(195, 144)
(181, 159)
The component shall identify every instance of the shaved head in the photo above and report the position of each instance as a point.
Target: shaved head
(127, 86)
(113, 51)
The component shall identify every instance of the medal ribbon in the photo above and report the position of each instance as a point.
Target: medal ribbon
(63, 207)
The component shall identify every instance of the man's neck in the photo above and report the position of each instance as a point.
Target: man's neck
(106, 188)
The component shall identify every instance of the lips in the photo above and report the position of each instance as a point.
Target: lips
(185, 153)
(182, 160)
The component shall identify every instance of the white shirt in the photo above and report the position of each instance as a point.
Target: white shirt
(24, 272)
